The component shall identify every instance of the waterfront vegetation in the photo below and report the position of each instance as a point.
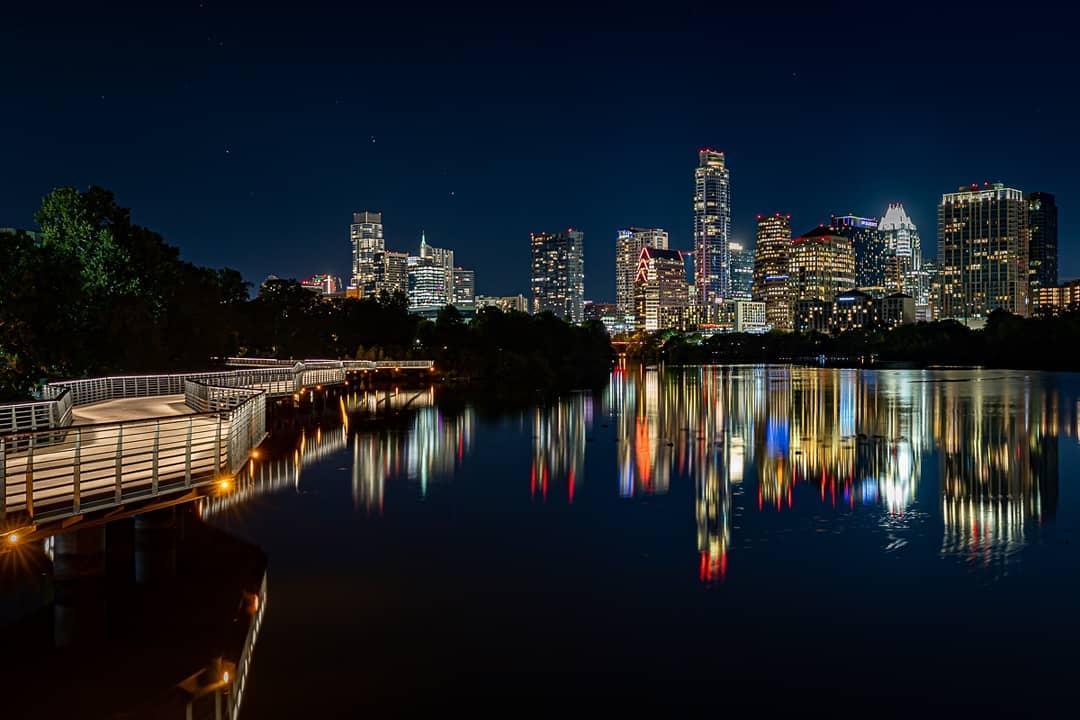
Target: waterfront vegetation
(1048, 343)
(93, 293)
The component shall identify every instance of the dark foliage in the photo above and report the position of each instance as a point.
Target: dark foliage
(514, 351)
(1007, 341)
(93, 293)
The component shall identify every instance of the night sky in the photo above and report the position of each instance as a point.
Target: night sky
(247, 135)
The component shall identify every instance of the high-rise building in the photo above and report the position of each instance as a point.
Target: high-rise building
(822, 265)
(391, 272)
(1043, 245)
(983, 252)
(442, 258)
(659, 289)
(712, 227)
(464, 287)
(427, 285)
(366, 235)
(628, 244)
(742, 270)
(771, 269)
(903, 242)
(558, 274)
(870, 250)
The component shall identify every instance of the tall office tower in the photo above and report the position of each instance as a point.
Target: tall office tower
(391, 272)
(442, 258)
(822, 265)
(983, 251)
(427, 285)
(902, 240)
(742, 270)
(1043, 245)
(464, 287)
(870, 250)
(712, 228)
(366, 234)
(659, 289)
(771, 282)
(628, 244)
(558, 274)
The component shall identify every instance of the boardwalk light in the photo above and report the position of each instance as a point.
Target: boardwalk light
(225, 484)
(13, 538)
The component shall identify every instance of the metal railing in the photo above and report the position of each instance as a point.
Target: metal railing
(405, 364)
(275, 380)
(108, 464)
(51, 413)
(258, 362)
(346, 364)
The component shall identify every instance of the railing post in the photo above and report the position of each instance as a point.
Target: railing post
(217, 447)
(3, 479)
(154, 463)
(30, 478)
(119, 460)
(75, 471)
(187, 456)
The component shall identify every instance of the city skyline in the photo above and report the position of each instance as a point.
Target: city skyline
(260, 155)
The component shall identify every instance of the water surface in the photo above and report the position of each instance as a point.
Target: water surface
(750, 537)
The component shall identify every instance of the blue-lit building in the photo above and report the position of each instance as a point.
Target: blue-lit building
(870, 250)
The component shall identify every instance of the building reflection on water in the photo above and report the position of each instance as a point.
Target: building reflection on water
(856, 439)
(750, 438)
(426, 449)
(559, 437)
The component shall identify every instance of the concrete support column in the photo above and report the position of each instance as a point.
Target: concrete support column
(120, 551)
(79, 561)
(155, 546)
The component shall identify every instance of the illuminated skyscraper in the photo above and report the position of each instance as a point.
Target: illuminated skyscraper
(441, 258)
(366, 235)
(659, 288)
(628, 244)
(558, 274)
(390, 271)
(983, 251)
(1043, 247)
(742, 270)
(870, 250)
(822, 265)
(770, 284)
(427, 285)
(712, 228)
(902, 241)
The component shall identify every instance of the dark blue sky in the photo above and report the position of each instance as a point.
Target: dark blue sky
(247, 135)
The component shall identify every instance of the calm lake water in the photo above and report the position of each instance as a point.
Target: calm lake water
(724, 537)
(773, 539)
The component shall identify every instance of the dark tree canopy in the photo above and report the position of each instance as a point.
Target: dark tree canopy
(94, 293)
